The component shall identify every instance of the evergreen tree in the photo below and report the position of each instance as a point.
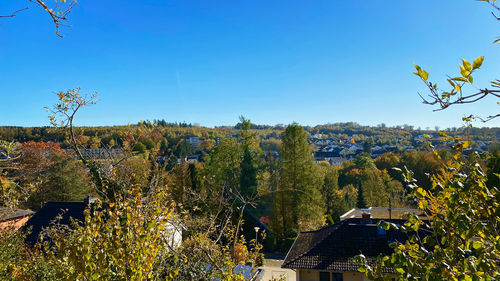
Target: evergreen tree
(361, 198)
(367, 146)
(300, 201)
(248, 171)
(164, 147)
(248, 176)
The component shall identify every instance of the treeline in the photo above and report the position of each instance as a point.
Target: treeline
(112, 136)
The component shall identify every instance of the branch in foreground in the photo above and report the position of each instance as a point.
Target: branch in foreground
(445, 99)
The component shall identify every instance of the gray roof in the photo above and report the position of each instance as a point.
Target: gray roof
(10, 214)
(334, 247)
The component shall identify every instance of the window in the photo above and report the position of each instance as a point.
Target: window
(337, 277)
(324, 276)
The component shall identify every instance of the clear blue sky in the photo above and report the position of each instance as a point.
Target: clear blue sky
(312, 62)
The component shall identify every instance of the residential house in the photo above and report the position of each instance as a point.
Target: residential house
(328, 254)
(65, 212)
(13, 219)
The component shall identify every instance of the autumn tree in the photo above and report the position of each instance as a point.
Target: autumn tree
(64, 180)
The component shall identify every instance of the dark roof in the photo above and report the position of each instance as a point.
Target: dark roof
(334, 247)
(10, 214)
(48, 213)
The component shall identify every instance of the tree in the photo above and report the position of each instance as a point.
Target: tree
(183, 149)
(115, 241)
(248, 176)
(493, 165)
(367, 146)
(462, 226)
(330, 191)
(300, 204)
(64, 180)
(139, 147)
(163, 147)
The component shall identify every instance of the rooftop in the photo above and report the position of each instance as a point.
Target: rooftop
(334, 247)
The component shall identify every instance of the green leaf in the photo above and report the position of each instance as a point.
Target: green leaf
(421, 192)
(477, 244)
(467, 65)
(461, 79)
(386, 225)
(424, 75)
(464, 71)
(477, 62)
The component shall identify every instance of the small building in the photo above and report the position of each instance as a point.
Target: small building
(44, 217)
(328, 254)
(66, 212)
(13, 219)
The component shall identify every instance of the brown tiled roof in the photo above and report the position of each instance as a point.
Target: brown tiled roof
(334, 247)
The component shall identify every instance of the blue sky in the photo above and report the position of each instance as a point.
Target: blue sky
(313, 62)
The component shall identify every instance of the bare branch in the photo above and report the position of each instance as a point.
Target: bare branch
(14, 13)
(58, 13)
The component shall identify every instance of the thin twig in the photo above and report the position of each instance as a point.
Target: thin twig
(15, 13)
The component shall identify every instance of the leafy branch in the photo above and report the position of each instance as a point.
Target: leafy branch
(456, 94)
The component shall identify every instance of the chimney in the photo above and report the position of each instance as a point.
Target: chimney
(366, 218)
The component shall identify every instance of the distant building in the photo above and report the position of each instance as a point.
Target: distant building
(194, 141)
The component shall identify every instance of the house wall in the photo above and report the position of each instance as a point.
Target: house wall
(308, 275)
(13, 224)
(313, 275)
(173, 234)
